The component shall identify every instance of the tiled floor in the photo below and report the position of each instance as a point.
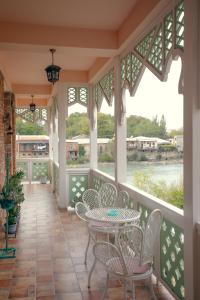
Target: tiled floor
(50, 253)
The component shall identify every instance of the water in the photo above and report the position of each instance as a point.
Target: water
(169, 172)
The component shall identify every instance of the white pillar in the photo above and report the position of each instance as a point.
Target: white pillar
(61, 96)
(191, 143)
(120, 127)
(93, 130)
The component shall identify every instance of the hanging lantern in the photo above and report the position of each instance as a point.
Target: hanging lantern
(52, 70)
(32, 105)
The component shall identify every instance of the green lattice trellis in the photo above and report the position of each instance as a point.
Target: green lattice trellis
(104, 88)
(97, 183)
(155, 48)
(180, 25)
(77, 95)
(78, 184)
(155, 56)
(144, 214)
(40, 170)
(131, 68)
(172, 263)
(143, 47)
(24, 167)
(168, 34)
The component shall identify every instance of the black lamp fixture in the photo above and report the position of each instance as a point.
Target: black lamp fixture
(52, 70)
(32, 105)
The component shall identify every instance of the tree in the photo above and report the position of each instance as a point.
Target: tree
(27, 128)
(105, 125)
(77, 124)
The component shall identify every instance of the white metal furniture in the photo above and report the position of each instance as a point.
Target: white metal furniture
(91, 198)
(131, 258)
(111, 219)
(122, 199)
(107, 195)
(113, 215)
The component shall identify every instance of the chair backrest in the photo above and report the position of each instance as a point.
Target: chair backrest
(130, 240)
(151, 234)
(81, 210)
(107, 195)
(90, 198)
(122, 199)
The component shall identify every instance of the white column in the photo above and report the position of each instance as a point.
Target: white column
(62, 198)
(120, 127)
(93, 130)
(191, 143)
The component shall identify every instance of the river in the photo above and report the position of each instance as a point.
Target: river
(168, 171)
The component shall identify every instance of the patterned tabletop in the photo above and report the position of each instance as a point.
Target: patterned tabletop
(113, 215)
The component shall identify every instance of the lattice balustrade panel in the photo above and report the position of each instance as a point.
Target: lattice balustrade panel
(22, 165)
(107, 85)
(78, 184)
(143, 47)
(97, 183)
(155, 56)
(168, 34)
(77, 95)
(172, 264)
(144, 214)
(179, 40)
(40, 170)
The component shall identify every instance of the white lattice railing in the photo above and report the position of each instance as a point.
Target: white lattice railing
(77, 182)
(169, 264)
(35, 169)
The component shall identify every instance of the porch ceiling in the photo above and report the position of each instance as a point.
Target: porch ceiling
(86, 34)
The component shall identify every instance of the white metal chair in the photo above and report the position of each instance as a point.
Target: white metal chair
(91, 198)
(131, 259)
(122, 199)
(107, 195)
(93, 227)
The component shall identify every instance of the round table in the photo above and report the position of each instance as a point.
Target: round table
(113, 215)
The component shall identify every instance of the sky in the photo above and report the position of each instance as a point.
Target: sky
(153, 97)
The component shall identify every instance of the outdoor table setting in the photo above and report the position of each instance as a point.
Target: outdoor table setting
(113, 215)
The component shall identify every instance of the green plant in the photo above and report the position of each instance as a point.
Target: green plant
(12, 190)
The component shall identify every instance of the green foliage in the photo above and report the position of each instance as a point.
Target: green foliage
(167, 148)
(140, 126)
(77, 124)
(81, 151)
(28, 128)
(172, 193)
(75, 162)
(175, 132)
(105, 125)
(105, 157)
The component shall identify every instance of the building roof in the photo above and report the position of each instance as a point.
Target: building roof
(147, 139)
(31, 138)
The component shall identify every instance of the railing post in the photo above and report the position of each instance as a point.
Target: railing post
(62, 190)
(93, 131)
(191, 144)
(120, 126)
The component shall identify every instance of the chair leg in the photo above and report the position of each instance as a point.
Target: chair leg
(86, 250)
(91, 271)
(153, 296)
(106, 287)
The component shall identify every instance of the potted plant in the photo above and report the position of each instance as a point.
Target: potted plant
(11, 197)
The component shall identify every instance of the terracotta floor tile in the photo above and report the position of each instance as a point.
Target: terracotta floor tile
(69, 296)
(45, 289)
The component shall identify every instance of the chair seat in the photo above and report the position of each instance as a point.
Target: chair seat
(132, 265)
